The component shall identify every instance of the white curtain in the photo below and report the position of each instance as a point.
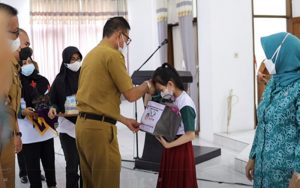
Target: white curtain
(162, 24)
(185, 18)
(184, 10)
(56, 24)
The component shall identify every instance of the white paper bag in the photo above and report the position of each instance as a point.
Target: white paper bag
(151, 116)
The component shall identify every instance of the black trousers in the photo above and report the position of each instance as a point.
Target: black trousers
(35, 152)
(22, 164)
(68, 144)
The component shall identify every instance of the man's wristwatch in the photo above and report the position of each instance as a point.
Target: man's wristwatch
(18, 134)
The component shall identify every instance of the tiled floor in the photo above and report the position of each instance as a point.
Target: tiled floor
(242, 136)
(241, 142)
(219, 169)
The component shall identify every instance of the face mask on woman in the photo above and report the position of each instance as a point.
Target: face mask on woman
(270, 65)
(74, 66)
(166, 94)
(27, 69)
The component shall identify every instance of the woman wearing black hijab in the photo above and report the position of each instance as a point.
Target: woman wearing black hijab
(24, 55)
(36, 127)
(64, 89)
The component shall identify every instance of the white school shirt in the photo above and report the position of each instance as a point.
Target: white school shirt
(66, 126)
(29, 133)
(181, 101)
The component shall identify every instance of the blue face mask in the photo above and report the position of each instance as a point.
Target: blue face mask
(28, 69)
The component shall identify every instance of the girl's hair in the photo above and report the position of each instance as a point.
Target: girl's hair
(167, 73)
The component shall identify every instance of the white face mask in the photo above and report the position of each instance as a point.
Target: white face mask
(15, 44)
(270, 65)
(166, 94)
(74, 66)
(124, 49)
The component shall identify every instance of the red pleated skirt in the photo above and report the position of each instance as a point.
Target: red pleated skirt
(177, 168)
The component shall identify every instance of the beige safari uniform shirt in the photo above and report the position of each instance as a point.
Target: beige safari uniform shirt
(103, 77)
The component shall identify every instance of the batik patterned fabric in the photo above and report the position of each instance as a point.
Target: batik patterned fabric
(276, 140)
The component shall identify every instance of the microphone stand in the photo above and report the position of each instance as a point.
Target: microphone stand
(135, 102)
(163, 43)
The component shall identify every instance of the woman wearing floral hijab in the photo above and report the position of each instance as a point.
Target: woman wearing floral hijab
(275, 155)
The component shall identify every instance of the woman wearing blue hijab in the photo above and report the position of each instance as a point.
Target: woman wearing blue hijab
(275, 155)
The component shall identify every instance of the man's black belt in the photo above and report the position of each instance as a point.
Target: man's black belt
(97, 117)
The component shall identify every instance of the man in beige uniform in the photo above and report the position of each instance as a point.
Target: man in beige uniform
(5, 54)
(7, 151)
(5, 79)
(24, 43)
(103, 78)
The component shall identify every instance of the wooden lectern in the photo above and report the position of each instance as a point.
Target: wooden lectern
(150, 159)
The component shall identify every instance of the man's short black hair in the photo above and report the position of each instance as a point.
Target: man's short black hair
(8, 9)
(114, 24)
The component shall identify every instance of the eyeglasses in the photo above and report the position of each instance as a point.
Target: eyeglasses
(17, 33)
(128, 39)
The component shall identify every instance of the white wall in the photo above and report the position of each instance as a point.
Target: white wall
(225, 62)
(23, 7)
(296, 8)
(142, 19)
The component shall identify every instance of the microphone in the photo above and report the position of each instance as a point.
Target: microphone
(164, 42)
(161, 44)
